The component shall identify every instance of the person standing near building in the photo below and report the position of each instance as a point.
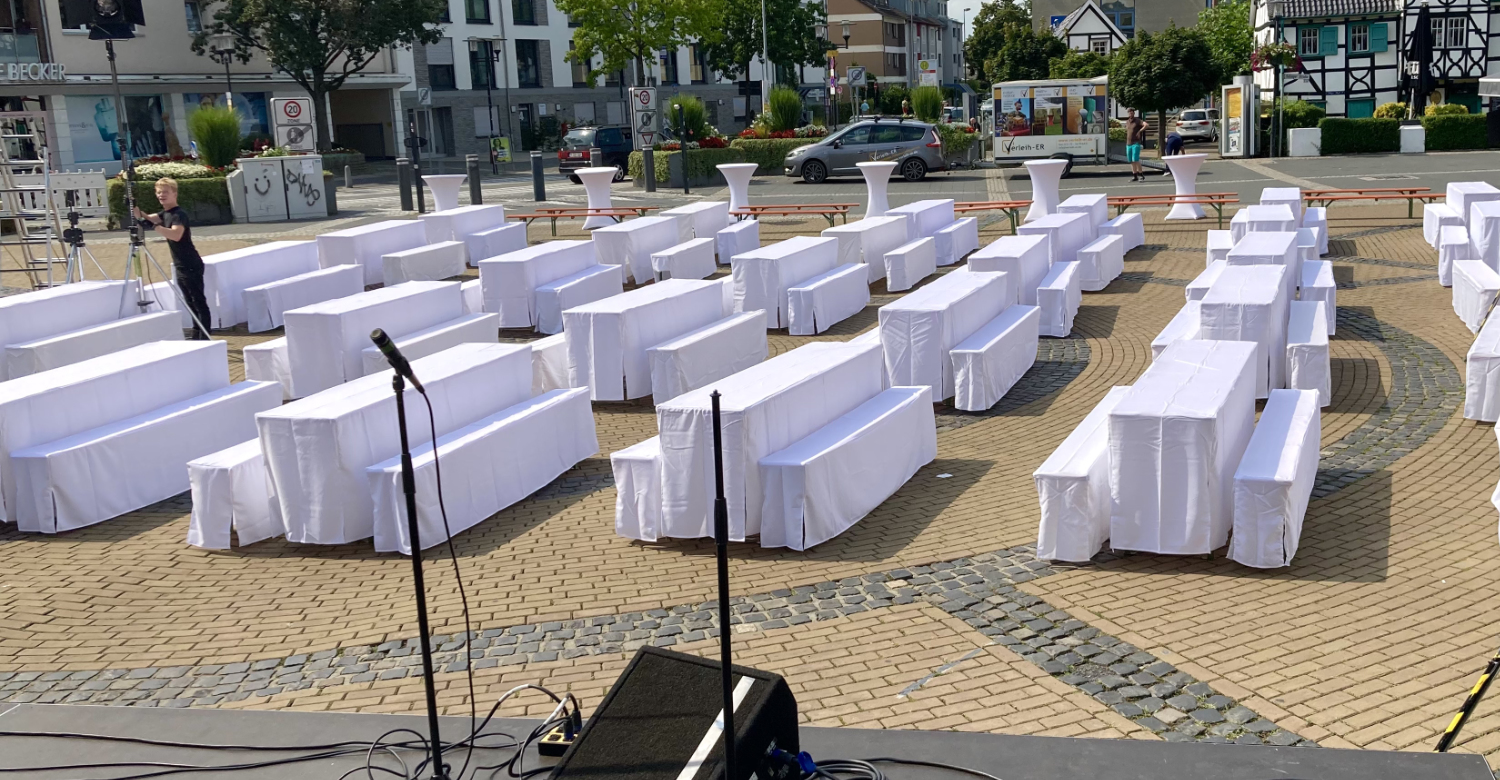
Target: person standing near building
(1135, 132)
(171, 223)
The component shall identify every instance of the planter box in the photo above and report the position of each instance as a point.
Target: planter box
(1305, 142)
(1413, 139)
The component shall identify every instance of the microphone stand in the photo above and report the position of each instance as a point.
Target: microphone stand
(409, 487)
(721, 544)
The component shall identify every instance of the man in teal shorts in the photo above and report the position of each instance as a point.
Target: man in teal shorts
(1135, 130)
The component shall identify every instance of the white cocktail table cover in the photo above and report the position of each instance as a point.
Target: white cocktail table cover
(227, 275)
(924, 218)
(508, 282)
(1484, 232)
(737, 176)
(1249, 303)
(1274, 480)
(1474, 288)
(460, 223)
(1072, 485)
(1025, 257)
(1482, 375)
(1184, 168)
(918, 330)
(596, 187)
(1175, 441)
(1462, 194)
(1095, 206)
(867, 240)
(632, 242)
(266, 305)
(445, 188)
(1045, 177)
(91, 342)
(366, 244)
(1068, 233)
(703, 219)
(430, 263)
(1291, 197)
(877, 181)
(762, 276)
(706, 355)
(608, 339)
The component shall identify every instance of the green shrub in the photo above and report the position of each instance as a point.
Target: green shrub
(335, 161)
(1360, 136)
(956, 138)
(786, 109)
(205, 200)
(889, 103)
(1395, 110)
(1300, 113)
(769, 153)
(927, 103)
(1456, 131)
(1446, 109)
(693, 124)
(700, 163)
(175, 170)
(216, 131)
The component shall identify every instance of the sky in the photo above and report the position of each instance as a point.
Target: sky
(956, 11)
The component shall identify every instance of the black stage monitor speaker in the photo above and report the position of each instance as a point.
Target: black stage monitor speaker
(116, 19)
(660, 722)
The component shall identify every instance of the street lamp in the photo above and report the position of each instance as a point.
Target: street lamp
(1277, 10)
(476, 53)
(221, 48)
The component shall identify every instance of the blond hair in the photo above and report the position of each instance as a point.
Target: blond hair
(167, 182)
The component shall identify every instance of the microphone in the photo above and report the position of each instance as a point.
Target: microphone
(394, 357)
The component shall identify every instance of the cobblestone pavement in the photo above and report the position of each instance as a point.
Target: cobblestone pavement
(930, 613)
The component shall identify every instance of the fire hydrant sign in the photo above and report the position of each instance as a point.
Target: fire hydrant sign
(293, 118)
(645, 119)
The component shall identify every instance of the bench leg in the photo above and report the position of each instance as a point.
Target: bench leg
(554, 227)
(1219, 209)
(1409, 202)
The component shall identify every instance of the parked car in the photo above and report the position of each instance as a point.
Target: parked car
(614, 143)
(1199, 124)
(913, 146)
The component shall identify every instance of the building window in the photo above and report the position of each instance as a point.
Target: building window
(1359, 38)
(194, 17)
(1307, 41)
(580, 70)
(699, 63)
(524, 11)
(528, 64)
(482, 65)
(1458, 32)
(1099, 46)
(1126, 20)
(446, 17)
(669, 68)
(440, 65)
(477, 11)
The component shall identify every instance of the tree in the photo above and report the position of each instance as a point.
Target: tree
(736, 39)
(1160, 72)
(1077, 64)
(624, 33)
(321, 43)
(1227, 29)
(987, 34)
(1026, 54)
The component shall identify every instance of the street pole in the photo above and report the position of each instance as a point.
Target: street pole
(765, 62)
(228, 84)
(489, 90)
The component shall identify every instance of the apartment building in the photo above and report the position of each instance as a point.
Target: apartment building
(891, 37)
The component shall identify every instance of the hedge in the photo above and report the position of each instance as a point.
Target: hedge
(769, 153)
(700, 163)
(1456, 131)
(205, 200)
(1360, 136)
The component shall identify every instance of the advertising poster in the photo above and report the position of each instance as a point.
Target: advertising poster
(1077, 116)
(93, 126)
(251, 106)
(1048, 107)
(1017, 116)
(1233, 121)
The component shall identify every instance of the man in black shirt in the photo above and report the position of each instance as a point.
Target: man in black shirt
(172, 224)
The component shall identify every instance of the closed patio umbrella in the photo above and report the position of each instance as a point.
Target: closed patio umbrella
(1419, 77)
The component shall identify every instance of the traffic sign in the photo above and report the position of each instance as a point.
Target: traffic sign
(645, 118)
(293, 120)
(424, 96)
(856, 75)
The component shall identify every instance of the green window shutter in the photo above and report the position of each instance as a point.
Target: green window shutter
(1378, 40)
(1328, 41)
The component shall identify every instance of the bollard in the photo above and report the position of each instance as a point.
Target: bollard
(648, 167)
(596, 157)
(471, 162)
(403, 182)
(348, 177)
(538, 184)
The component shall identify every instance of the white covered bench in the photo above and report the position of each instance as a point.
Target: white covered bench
(1307, 244)
(477, 328)
(1024, 257)
(1474, 288)
(1058, 297)
(495, 241)
(1307, 362)
(809, 495)
(1101, 261)
(1198, 288)
(1274, 481)
(988, 364)
(817, 304)
(957, 240)
(473, 294)
(231, 489)
(1072, 485)
(691, 259)
(1453, 245)
(1316, 217)
(509, 282)
(1129, 227)
(907, 265)
(1436, 216)
(487, 466)
(594, 283)
(549, 364)
(1318, 285)
(269, 361)
(1482, 375)
(431, 263)
(91, 342)
(108, 471)
(1184, 325)
(741, 236)
(1219, 244)
(458, 224)
(637, 472)
(266, 303)
(708, 354)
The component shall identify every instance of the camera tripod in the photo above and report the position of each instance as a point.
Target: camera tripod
(77, 250)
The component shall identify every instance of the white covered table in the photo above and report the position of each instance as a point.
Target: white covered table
(1184, 168)
(703, 219)
(632, 242)
(1270, 249)
(445, 188)
(1175, 440)
(367, 244)
(317, 448)
(596, 184)
(1291, 197)
(1219, 244)
(1249, 303)
(1484, 232)
(1024, 257)
(91, 342)
(508, 282)
(267, 304)
(430, 263)
(918, 330)
(924, 218)
(764, 409)
(1460, 195)
(1184, 325)
(325, 341)
(1095, 206)
(459, 223)
(877, 181)
(1482, 375)
(867, 240)
(227, 275)
(1436, 216)
(1274, 480)
(1045, 177)
(1068, 233)
(608, 339)
(1198, 288)
(737, 176)
(762, 276)
(1072, 485)
(1475, 286)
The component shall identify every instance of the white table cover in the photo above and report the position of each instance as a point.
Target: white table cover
(445, 188)
(907, 265)
(1318, 285)
(737, 176)
(1453, 245)
(762, 276)
(1249, 303)
(325, 340)
(1274, 481)
(1219, 244)
(227, 275)
(877, 181)
(1271, 219)
(924, 218)
(632, 243)
(366, 244)
(30, 316)
(1435, 216)
(268, 362)
(1270, 248)
(266, 305)
(817, 304)
(487, 466)
(473, 294)
(1068, 233)
(1130, 227)
(1463, 194)
(1198, 288)
(703, 219)
(608, 339)
(1482, 375)
(495, 242)
(1307, 363)
(706, 355)
(1307, 245)
(988, 363)
(1316, 217)
(1291, 197)
(430, 263)
(460, 223)
(549, 364)
(918, 331)
(1474, 288)
(1175, 440)
(1183, 325)
(739, 237)
(1484, 232)
(1025, 257)
(476, 328)
(594, 283)
(54, 404)
(1045, 176)
(1102, 261)
(317, 448)
(509, 281)
(1095, 206)
(159, 296)
(102, 473)
(691, 259)
(764, 409)
(821, 486)
(1184, 168)
(91, 342)
(1072, 485)
(868, 240)
(1058, 296)
(637, 472)
(957, 240)
(597, 182)
(230, 490)
(1239, 224)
